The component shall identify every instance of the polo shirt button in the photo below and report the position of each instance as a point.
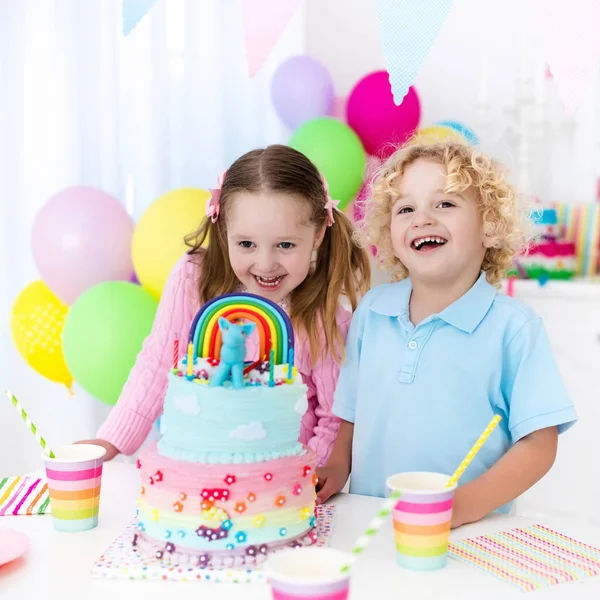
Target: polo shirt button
(412, 344)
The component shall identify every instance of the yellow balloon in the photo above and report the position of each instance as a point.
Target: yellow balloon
(438, 133)
(158, 237)
(37, 321)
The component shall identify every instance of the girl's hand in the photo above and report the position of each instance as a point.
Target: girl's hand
(111, 451)
(332, 479)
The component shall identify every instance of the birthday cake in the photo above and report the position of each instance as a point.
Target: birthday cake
(228, 482)
(550, 257)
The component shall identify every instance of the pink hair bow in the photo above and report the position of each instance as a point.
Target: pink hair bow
(330, 203)
(213, 201)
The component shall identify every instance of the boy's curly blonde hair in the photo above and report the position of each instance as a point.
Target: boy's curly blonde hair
(467, 169)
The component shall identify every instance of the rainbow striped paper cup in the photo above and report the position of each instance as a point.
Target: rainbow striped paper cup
(308, 573)
(74, 478)
(422, 518)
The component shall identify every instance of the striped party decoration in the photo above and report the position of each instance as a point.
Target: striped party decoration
(580, 224)
(74, 479)
(529, 558)
(422, 519)
(41, 441)
(308, 573)
(23, 495)
(474, 450)
(373, 527)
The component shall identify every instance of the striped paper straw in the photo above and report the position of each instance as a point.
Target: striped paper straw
(373, 527)
(474, 450)
(32, 427)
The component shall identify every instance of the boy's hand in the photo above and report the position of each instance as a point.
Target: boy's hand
(332, 479)
(111, 451)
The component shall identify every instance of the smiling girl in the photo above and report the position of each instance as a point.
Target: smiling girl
(272, 230)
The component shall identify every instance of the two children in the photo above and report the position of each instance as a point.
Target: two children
(429, 359)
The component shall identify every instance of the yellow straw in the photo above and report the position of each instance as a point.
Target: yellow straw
(474, 450)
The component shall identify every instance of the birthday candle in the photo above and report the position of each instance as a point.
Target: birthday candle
(271, 368)
(290, 363)
(175, 352)
(190, 360)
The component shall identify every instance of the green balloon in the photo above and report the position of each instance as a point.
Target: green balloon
(337, 152)
(103, 334)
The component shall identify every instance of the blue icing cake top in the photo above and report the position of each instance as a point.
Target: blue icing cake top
(208, 424)
(220, 409)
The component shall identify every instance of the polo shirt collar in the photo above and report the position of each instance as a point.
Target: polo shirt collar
(465, 313)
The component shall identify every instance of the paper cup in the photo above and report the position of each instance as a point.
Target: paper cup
(308, 573)
(74, 478)
(422, 518)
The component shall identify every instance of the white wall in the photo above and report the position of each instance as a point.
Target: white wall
(561, 155)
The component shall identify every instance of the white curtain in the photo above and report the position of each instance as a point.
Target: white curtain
(168, 106)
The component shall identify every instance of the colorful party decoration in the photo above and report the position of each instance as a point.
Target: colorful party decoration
(301, 90)
(360, 202)
(37, 322)
(168, 219)
(580, 224)
(337, 152)
(408, 29)
(372, 528)
(465, 131)
(82, 237)
(438, 133)
(529, 558)
(103, 335)
(272, 323)
(571, 45)
(474, 450)
(29, 424)
(264, 21)
(23, 495)
(133, 12)
(122, 561)
(380, 124)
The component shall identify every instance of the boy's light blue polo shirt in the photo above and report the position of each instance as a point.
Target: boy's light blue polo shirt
(419, 397)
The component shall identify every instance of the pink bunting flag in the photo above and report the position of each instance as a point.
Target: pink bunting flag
(571, 44)
(264, 22)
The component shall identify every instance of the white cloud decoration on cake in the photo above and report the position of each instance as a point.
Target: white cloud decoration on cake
(301, 405)
(188, 405)
(249, 433)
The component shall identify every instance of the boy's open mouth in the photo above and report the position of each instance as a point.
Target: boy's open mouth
(426, 244)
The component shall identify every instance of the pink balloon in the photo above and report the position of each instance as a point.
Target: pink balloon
(359, 204)
(381, 125)
(82, 237)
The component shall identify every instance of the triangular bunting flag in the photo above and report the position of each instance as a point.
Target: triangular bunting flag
(264, 22)
(408, 29)
(133, 12)
(571, 44)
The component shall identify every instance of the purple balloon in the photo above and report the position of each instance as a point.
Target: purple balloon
(302, 90)
(82, 237)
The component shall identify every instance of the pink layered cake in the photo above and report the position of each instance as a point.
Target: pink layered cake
(228, 481)
(551, 259)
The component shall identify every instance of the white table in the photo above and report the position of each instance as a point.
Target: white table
(58, 565)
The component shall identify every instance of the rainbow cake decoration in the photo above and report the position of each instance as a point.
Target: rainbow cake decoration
(228, 482)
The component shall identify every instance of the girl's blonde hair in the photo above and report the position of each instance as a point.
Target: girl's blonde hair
(467, 169)
(341, 268)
